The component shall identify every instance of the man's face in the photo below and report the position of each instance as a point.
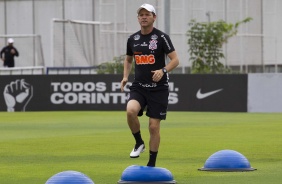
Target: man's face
(146, 18)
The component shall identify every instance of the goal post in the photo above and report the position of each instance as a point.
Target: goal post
(29, 47)
(75, 43)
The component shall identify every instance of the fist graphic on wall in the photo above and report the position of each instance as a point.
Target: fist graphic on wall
(17, 95)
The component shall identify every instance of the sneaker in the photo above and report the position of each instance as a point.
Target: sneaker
(137, 150)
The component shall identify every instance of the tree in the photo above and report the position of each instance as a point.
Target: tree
(113, 67)
(205, 42)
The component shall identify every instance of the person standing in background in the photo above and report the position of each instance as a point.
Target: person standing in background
(8, 53)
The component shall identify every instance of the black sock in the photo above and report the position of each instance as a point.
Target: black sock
(138, 138)
(153, 158)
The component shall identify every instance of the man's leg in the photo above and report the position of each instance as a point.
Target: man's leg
(154, 129)
(133, 108)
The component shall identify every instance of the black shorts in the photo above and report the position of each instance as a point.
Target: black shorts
(156, 101)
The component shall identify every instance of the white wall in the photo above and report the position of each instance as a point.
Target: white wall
(24, 17)
(264, 92)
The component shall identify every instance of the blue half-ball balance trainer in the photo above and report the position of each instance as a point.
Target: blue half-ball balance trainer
(69, 177)
(227, 160)
(146, 175)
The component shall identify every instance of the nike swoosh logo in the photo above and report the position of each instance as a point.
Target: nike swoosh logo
(200, 95)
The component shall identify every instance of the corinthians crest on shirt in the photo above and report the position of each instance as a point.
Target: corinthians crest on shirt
(153, 44)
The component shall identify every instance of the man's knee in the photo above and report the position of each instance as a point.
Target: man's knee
(154, 126)
(131, 112)
(133, 108)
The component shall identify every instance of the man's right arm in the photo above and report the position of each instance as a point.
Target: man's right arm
(1, 53)
(126, 71)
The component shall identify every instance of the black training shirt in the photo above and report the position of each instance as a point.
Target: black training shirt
(149, 52)
(9, 57)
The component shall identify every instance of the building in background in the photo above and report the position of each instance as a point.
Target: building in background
(91, 32)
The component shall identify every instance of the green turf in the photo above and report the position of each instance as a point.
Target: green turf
(36, 145)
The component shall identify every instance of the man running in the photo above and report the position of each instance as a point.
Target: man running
(8, 53)
(149, 48)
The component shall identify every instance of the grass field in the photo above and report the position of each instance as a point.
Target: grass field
(36, 145)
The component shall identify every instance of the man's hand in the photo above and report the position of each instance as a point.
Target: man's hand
(17, 94)
(13, 51)
(157, 75)
(123, 83)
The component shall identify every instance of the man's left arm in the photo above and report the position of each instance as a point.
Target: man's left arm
(174, 61)
(16, 53)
